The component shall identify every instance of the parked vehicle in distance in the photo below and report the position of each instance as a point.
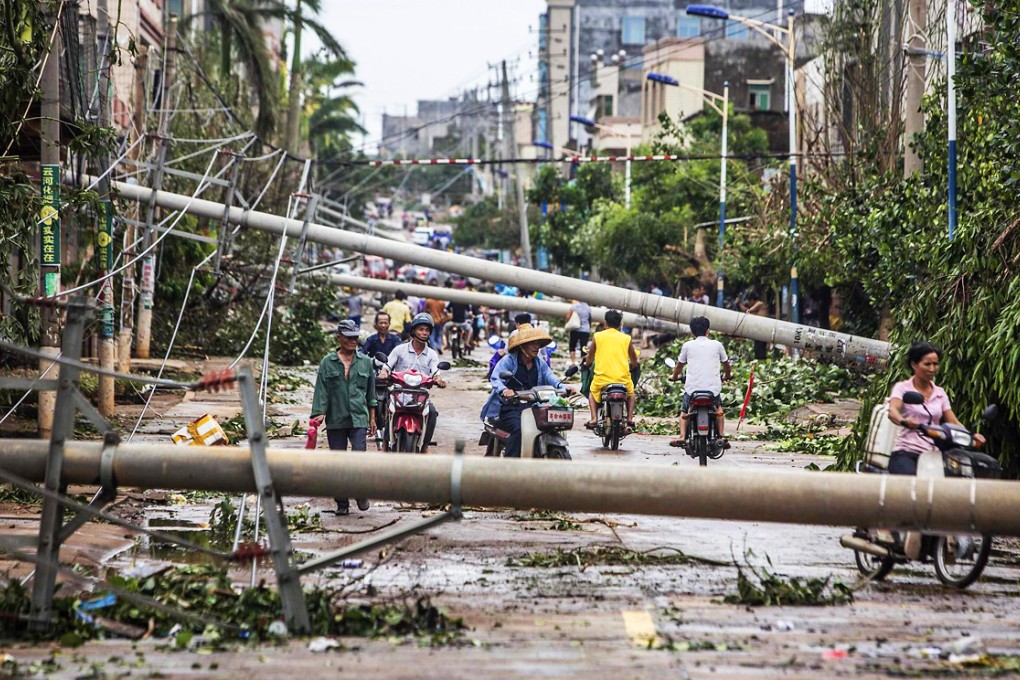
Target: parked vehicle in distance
(422, 236)
(375, 267)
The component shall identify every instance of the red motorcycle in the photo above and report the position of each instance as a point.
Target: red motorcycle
(407, 408)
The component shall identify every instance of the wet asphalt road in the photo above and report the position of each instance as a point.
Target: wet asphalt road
(632, 620)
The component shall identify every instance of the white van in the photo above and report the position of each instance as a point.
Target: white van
(422, 236)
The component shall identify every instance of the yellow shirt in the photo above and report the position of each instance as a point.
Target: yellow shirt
(612, 357)
(399, 313)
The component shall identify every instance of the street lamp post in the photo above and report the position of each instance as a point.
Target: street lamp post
(724, 109)
(771, 31)
(588, 122)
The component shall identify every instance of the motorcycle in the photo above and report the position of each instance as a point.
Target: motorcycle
(541, 424)
(959, 559)
(407, 408)
(382, 414)
(458, 337)
(703, 440)
(611, 417)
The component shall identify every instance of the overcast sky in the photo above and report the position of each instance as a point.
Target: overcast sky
(408, 50)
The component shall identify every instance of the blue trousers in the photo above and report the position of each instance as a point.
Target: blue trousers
(436, 339)
(510, 421)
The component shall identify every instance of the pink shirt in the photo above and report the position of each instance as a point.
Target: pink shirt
(937, 403)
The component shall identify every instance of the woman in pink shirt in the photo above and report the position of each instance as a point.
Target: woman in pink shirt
(923, 360)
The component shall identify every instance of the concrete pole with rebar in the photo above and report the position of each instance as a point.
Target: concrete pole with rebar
(824, 342)
(751, 494)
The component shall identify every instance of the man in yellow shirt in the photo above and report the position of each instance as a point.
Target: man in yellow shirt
(613, 355)
(399, 312)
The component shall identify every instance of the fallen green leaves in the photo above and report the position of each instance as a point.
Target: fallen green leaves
(220, 613)
(760, 587)
(609, 555)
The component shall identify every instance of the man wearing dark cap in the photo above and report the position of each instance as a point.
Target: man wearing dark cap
(345, 398)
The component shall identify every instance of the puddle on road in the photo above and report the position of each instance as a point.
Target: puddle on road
(192, 532)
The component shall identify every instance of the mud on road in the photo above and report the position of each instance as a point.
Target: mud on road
(539, 601)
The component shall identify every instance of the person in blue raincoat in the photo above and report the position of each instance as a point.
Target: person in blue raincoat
(529, 371)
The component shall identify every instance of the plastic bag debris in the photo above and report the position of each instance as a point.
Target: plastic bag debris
(322, 644)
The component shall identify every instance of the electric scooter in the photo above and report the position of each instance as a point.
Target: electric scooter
(541, 424)
(959, 559)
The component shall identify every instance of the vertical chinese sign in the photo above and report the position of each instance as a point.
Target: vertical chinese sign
(105, 243)
(49, 220)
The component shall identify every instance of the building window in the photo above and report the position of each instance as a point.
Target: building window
(736, 30)
(543, 32)
(633, 31)
(603, 106)
(688, 27)
(761, 97)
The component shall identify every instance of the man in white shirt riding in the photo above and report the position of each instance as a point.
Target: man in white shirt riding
(703, 358)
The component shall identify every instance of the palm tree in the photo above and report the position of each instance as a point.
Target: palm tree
(331, 111)
(330, 45)
(242, 41)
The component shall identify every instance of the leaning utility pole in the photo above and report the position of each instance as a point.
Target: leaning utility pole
(105, 37)
(917, 24)
(148, 287)
(510, 143)
(49, 243)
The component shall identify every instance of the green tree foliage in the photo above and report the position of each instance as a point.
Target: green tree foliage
(331, 111)
(568, 206)
(633, 245)
(962, 295)
(484, 225)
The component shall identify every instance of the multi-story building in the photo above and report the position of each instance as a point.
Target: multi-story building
(578, 38)
(446, 127)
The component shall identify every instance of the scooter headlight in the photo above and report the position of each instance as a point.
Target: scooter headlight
(412, 380)
(961, 437)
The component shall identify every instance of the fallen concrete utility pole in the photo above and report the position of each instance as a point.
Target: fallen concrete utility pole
(656, 306)
(788, 496)
(541, 307)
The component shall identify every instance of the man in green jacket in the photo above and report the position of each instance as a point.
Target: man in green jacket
(345, 398)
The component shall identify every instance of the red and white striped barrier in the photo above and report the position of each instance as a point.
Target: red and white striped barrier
(565, 159)
(426, 161)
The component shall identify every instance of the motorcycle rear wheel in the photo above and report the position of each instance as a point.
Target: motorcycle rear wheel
(557, 453)
(405, 441)
(614, 436)
(873, 567)
(961, 571)
(701, 444)
(455, 350)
